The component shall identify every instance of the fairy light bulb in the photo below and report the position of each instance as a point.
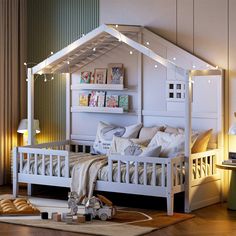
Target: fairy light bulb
(194, 66)
(130, 52)
(117, 26)
(94, 49)
(155, 66)
(174, 58)
(51, 53)
(25, 64)
(147, 43)
(52, 78)
(68, 62)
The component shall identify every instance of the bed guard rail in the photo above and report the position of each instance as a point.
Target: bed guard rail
(153, 171)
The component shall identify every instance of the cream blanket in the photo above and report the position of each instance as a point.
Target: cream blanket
(84, 174)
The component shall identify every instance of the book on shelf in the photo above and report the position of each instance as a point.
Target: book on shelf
(229, 162)
(100, 75)
(124, 102)
(112, 101)
(84, 99)
(93, 100)
(115, 73)
(101, 98)
(85, 77)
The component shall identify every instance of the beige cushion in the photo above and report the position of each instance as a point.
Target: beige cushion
(120, 144)
(149, 132)
(202, 141)
(173, 130)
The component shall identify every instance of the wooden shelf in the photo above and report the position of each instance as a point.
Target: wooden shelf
(112, 87)
(116, 110)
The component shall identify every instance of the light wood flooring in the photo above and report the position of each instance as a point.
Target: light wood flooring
(214, 220)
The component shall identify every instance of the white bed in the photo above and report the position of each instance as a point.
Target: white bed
(173, 175)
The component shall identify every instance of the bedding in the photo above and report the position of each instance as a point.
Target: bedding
(105, 133)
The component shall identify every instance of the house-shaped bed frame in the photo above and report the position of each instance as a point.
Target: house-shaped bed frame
(200, 190)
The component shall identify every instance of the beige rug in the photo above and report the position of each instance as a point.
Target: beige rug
(127, 221)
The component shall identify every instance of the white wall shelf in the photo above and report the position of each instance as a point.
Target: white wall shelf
(117, 110)
(111, 87)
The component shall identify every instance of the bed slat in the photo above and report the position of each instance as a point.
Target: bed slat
(43, 164)
(154, 174)
(35, 164)
(21, 162)
(119, 172)
(162, 175)
(58, 166)
(145, 173)
(50, 166)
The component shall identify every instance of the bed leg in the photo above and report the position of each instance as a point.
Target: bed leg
(170, 204)
(15, 188)
(29, 189)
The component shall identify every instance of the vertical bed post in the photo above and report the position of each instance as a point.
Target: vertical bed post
(30, 117)
(188, 131)
(68, 105)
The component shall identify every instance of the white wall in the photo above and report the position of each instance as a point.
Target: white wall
(205, 28)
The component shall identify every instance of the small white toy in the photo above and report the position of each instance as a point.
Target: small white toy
(100, 207)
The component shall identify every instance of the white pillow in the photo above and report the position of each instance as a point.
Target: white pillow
(170, 142)
(105, 133)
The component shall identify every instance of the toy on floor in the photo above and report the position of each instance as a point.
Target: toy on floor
(98, 207)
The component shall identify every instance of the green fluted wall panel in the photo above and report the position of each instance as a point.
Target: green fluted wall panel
(52, 25)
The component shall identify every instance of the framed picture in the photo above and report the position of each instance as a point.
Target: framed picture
(85, 77)
(100, 75)
(115, 73)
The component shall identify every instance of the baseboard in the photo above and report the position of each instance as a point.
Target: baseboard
(204, 203)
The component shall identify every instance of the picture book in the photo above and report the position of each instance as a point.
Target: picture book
(115, 73)
(93, 100)
(100, 75)
(112, 100)
(101, 98)
(83, 99)
(124, 102)
(85, 77)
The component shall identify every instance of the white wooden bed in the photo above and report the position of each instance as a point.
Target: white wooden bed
(177, 173)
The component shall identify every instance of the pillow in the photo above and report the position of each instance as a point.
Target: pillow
(202, 141)
(151, 151)
(170, 143)
(173, 130)
(105, 133)
(119, 144)
(149, 132)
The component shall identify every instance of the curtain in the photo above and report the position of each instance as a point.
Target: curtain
(13, 15)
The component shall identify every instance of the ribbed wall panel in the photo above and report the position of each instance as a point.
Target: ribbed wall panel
(53, 24)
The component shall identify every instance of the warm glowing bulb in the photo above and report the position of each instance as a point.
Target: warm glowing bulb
(174, 58)
(83, 35)
(25, 64)
(94, 49)
(51, 53)
(130, 52)
(147, 43)
(194, 66)
(68, 62)
(52, 78)
(26, 80)
(117, 26)
(155, 66)
(217, 67)
(45, 80)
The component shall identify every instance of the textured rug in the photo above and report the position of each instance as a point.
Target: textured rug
(127, 221)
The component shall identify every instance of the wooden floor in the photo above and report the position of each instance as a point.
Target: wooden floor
(214, 220)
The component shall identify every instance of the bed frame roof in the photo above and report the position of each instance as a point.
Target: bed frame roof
(103, 39)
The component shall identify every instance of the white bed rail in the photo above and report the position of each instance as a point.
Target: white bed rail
(203, 166)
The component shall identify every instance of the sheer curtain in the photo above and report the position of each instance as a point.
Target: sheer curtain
(13, 15)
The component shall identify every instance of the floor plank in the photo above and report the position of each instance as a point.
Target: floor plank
(214, 220)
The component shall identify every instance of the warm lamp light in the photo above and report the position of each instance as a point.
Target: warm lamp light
(23, 126)
(23, 129)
